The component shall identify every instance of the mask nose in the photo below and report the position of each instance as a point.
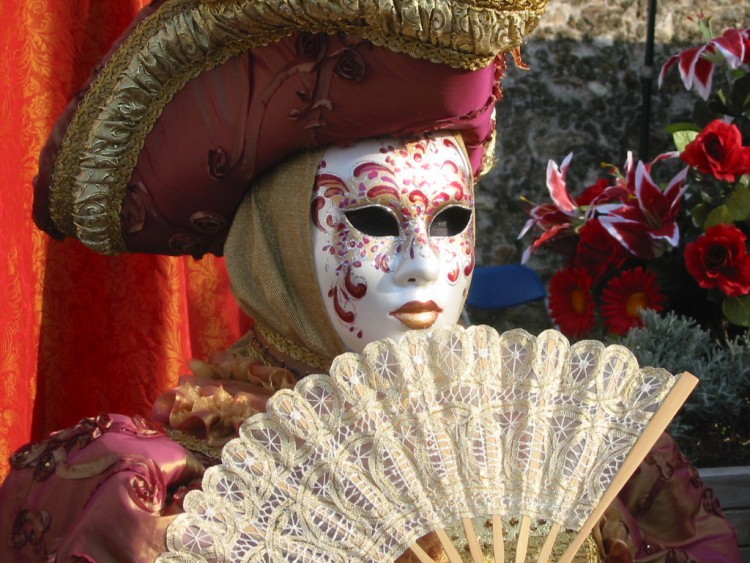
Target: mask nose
(419, 266)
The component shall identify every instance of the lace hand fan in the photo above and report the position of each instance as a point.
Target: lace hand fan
(430, 434)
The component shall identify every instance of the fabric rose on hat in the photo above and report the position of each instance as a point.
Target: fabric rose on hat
(718, 150)
(719, 258)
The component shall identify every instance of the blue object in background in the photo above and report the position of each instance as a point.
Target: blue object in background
(500, 287)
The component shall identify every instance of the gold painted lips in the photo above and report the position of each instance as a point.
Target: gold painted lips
(417, 314)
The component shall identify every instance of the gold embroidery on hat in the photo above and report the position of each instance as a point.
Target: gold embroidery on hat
(186, 37)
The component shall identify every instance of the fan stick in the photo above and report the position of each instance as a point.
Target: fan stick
(450, 549)
(421, 553)
(675, 398)
(498, 544)
(523, 539)
(549, 543)
(471, 536)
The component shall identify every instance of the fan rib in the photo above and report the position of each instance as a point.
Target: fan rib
(421, 553)
(471, 535)
(523, 539)
(498, 543)
(549, 543)
(677, 395)
(450, 549)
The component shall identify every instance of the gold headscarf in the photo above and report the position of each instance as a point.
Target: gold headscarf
(269, 255)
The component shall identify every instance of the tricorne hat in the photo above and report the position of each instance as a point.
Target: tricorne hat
(201, 96)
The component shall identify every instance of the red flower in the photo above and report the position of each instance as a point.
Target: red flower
(597, 250)
(718, 258)
(592, 194)
(647, 224)
(571, 303)
(718, 150)
(696, 70)
(626, 296)
(734, 45)
(556, 218)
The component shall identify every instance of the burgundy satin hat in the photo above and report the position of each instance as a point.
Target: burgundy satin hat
(200, 97)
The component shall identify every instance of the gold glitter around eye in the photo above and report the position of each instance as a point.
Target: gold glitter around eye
(451, 221)
(373, 220)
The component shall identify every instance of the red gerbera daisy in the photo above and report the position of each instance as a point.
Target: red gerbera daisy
(626, 296)
(571, 303)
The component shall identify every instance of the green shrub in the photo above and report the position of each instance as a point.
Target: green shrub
(713, 428)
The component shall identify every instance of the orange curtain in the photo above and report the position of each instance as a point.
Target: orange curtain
(81, 333)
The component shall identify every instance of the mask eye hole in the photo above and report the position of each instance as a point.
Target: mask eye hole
(450, 222)
(373, 221)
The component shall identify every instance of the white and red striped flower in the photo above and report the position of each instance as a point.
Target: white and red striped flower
(646, 224)
(696, 65)
(556, 218)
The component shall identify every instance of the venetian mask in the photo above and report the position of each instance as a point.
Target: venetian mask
(393, 235)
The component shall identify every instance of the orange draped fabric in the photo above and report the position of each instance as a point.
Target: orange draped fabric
(81, 333)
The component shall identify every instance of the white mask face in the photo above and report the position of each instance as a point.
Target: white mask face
(393, 236)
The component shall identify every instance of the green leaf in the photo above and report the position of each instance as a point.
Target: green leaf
(739, 203)
(740, 94)
(737, 310)
(720, 215)
(704, 24)
(683, 138)
(681, 126)
(699, 213)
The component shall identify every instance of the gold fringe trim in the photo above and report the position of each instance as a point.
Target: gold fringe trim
(255, 355)
(195, 444)
(286, 347)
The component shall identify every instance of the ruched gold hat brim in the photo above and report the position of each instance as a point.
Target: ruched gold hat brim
(184, 38)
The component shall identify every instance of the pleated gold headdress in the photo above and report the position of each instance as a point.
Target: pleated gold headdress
(201, 96)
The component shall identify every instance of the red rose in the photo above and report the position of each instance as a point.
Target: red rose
(718, 258)
(597, 250)
(718, 150)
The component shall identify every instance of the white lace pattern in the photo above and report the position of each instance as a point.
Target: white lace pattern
(412, 437)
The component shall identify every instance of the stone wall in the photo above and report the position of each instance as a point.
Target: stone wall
(582, 93)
